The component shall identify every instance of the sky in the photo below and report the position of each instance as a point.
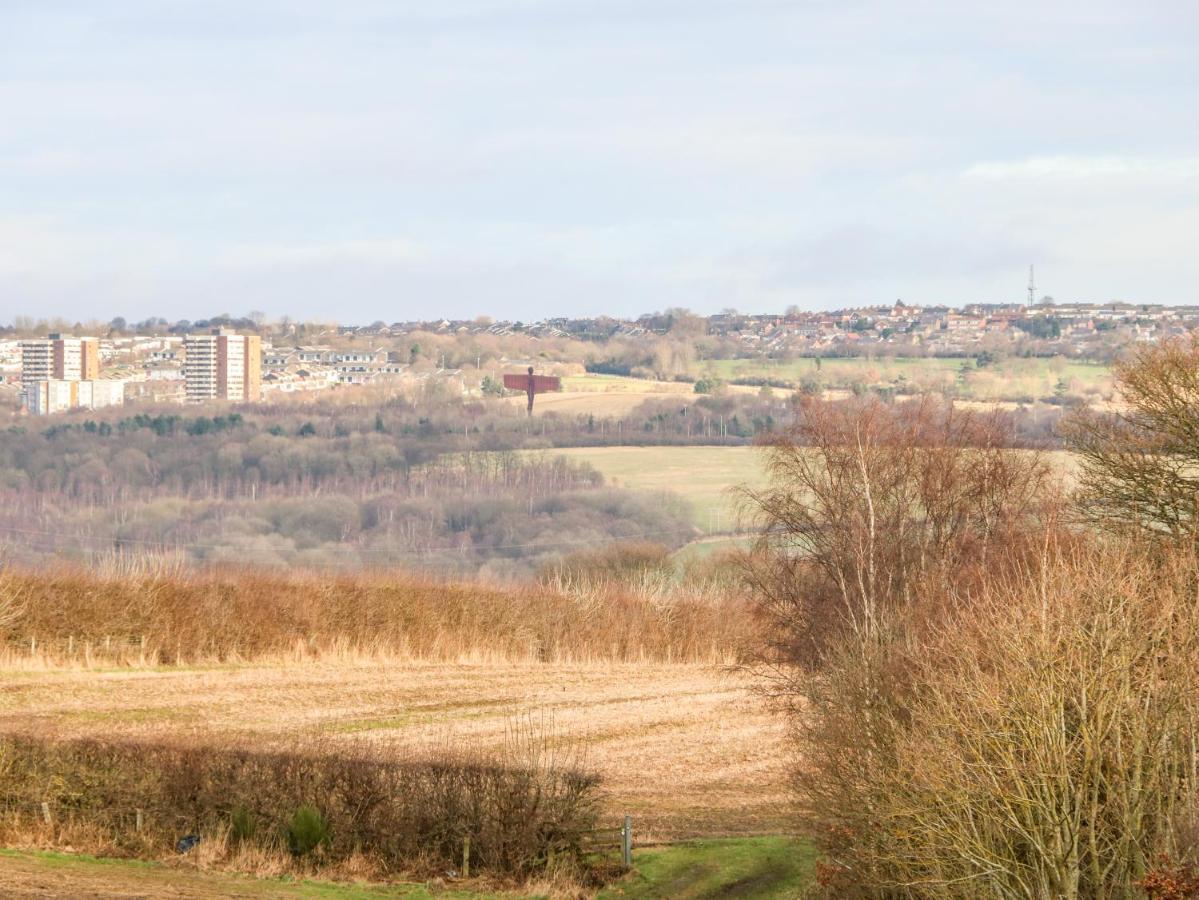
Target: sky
(358, 160)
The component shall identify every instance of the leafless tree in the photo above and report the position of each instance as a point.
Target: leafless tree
(865, 501)
(1139, 466)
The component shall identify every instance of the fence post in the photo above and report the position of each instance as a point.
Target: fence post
(466, 857)
(626, 842)
(46, 817)
(137, 820)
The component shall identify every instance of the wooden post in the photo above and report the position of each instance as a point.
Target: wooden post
(626, 842)
(466, 857)
(46, 817)
(137, 825)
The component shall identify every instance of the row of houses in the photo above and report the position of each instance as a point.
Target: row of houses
(1076, 328)
(930, 329)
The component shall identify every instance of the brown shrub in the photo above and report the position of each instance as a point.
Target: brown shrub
(1168, 880)
(232, 614)
(520, 808)
(983, 704)
(628, 561)
(1040, 740)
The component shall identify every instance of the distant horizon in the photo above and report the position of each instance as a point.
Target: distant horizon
(268, 320)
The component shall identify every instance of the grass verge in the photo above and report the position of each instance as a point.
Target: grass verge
(47, 874)
(758, 867)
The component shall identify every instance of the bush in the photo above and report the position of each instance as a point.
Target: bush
(984, 704)
(307, 831)
(242, 825)
(625, 563)
(1040, 740)
(239, 615)
(520, 806)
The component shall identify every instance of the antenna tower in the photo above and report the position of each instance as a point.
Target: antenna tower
(1032, 287)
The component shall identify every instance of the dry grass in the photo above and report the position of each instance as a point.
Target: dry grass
(631, 676)
(685, 749)
(614, 395)
(634, 673)
(80, 618)
(596, 402)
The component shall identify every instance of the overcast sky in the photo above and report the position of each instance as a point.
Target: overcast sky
(394, 159)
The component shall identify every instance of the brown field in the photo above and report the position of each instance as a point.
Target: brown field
(686, 749)
(613, 395)
(617, 403)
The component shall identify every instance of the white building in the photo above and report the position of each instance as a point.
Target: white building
(55, 395)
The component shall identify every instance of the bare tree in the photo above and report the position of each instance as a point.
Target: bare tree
(1139, 467)
(865, 501)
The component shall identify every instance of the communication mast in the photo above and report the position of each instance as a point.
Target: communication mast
(1032, 287)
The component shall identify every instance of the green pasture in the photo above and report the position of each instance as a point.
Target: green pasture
(1010, 379)
(705, 476)
(757, 868)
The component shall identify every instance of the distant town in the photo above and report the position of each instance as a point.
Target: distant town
(249, 360)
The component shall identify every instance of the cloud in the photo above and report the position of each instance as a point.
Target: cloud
(1087, 167)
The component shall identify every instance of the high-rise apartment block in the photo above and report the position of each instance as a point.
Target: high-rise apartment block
(60, 358)
(223, 366)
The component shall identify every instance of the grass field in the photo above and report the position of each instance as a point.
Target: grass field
(1010, 379)
(611, 395)
(703, 475)
(619, 384)
(684, 749)
(757, 868)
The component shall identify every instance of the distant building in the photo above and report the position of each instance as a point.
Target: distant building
(223, 366)
(58, 358)
(55, 395)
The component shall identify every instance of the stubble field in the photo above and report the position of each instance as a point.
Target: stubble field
(686, 750)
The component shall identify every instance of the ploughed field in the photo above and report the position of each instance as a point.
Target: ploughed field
(685, 749)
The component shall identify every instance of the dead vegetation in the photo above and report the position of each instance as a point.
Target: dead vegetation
(984, 702)
(1139, 468)
(516, 810)
(684, 748)
(80, 618)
